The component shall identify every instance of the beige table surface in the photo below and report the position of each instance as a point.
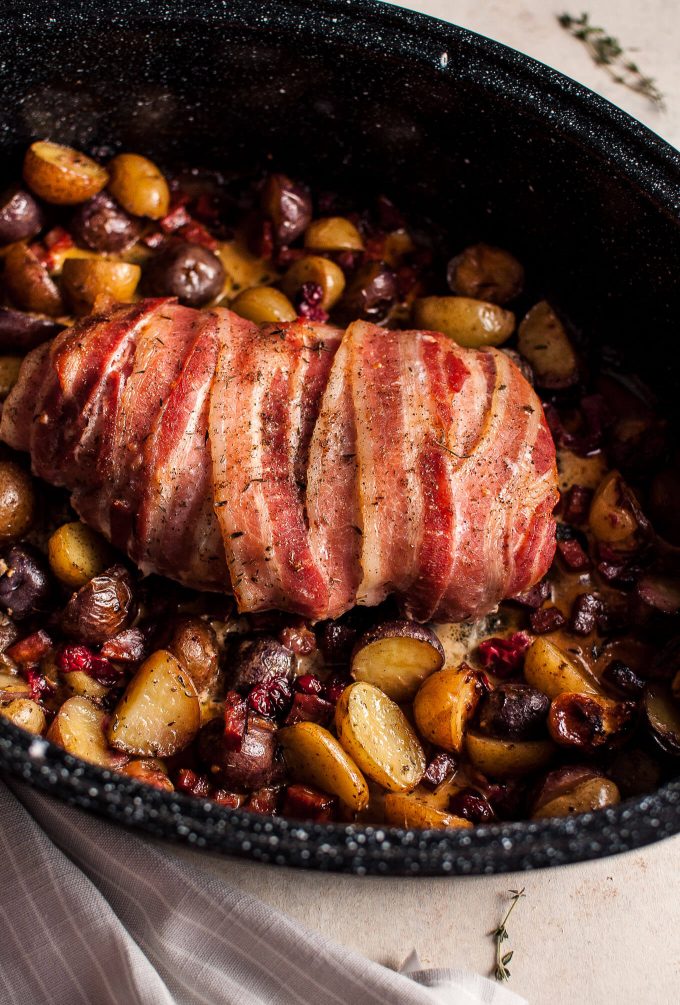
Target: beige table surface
(590, 934)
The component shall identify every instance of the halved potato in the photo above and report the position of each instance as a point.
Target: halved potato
(551, 671)
(615, 516)
(78, 727)
(470, 323)
(574, 789)
(77, 682)
(544, 343)
(87, 279)
(445, 704)
(397, 656)
(28, 283)
(13, 686)
(77, 553)
(62, 175)
(315, 757)
(408, 811)
(376, 734)
(159, 712)
(25, 713)
(507, 758)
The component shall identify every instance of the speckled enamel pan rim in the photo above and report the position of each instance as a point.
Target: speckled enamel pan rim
(603, 131)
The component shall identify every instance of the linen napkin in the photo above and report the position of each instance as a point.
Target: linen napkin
(91, 914)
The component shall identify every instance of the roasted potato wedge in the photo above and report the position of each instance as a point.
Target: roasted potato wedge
(408, 811)
(315, 757)
(62, 175)
(28, 283)
(507, 758)
(445, 704)
(25, 713)
(12, 686)
(377, 736)
(151, 772)
(470, 323)
(77, 682)
(78, 727)
(159, 712)
(551, 671)
(397, 656)
(573, 789)
(544, 343)
(615, 516)
(77, 553)
(85, 280)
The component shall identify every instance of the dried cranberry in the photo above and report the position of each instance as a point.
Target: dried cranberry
(77, 657)
(472, 806)
(572, 554)
(192, 783)
(308, 683)
(546, 619)
(576, 505)
(504, 657)
(31, 649)
(271, 697)
(41, 687)
(309, 708)
(305, 803)
(335, 685)
(177, 217)
(535, 596)
(235, 720)
(299, 639)
(308, 302)
(584, 613)
(623, 679)
(441, 767)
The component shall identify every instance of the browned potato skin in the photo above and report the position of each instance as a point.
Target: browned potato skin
(27, 714)
(17, 501)
(410, 812)
(9, 374)
(444, 705)
(507, 758)
(62, 175)
(139, 186)
(194, 643)
(573, 789)
(151, 772)
(78, 727)
(313, 756)
(375, 657)
(28, 284)
(86, 280)
(544, 343)
(159, 713)
(589, 722)
(486, 273)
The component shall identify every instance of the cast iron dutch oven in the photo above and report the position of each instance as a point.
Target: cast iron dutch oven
(487, 142)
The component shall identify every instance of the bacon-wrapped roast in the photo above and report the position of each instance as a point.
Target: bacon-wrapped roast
(297, 466)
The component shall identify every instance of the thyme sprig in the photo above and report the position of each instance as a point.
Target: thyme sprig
(500, 934)
(607, 52)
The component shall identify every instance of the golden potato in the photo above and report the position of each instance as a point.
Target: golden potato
(159, 712)
(84, 280)
(27, 714)
(315, 269)
(586, 795)
(139, 186)
(408, 811)
(615, 515)
(9, 373)
(263, 305)
(501, 758)
(314, 757)
(77, 682)
(445, 703)
(376, 734)
(17, 501)
(470, 323)
(545, 345)
(78, 727)
(551, 671)
(151, 772)
(13, 686)
(397, 656)
(62, 175)
(77, 553)
(333, 233)
(28, 284)
(242, 269)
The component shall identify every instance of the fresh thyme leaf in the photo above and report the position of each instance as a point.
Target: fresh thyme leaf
(607, 52)
(499, 935)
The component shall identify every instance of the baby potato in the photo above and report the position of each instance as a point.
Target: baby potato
(28, 283)
(80, 684)
(159, 713)
(263, 305)
(151, 772)
(242, 268)
(501, 758)
(27, 714)
(17, 501)
(573, 789)
(551, 671)
(315, 757)
(76, 554)
(13, 686)
(62, 175)
(9, 374)
(139, 186)
(315, 269)
(397, 656)
(376, 734)
(86, 279)
(445, 704)
(408, 811)
(333, 233)
(615, 516)
(470, 323)
(78, 727)
(486, 273)
(544, 343)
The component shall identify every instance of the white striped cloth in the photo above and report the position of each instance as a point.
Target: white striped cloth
(91, 915)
